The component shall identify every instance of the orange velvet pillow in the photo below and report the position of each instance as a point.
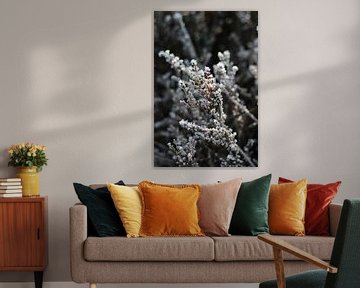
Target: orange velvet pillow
(318, 200)
(287, 204)
(169, 210)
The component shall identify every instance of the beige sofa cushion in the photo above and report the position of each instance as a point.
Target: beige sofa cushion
(243, 248)
(149, 249)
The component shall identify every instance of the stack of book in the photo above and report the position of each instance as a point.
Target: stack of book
(10, 187)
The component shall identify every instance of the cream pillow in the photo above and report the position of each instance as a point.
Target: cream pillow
(127, 201)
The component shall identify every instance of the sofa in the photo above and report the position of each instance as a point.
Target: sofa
(233, 259)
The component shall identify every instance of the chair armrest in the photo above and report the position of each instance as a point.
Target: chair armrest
(284, 246)
(334, 217)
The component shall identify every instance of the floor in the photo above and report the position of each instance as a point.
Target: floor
(74, 285)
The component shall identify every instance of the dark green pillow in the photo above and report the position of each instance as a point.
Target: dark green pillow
(250, 216)
(103, 218)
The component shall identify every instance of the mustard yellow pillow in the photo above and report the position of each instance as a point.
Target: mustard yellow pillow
(169, 210)
(287, 204)
(127, 201)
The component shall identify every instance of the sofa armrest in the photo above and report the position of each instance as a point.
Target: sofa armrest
(78, 235)
(334, 216)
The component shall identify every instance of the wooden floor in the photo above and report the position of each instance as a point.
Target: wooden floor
(74, 285)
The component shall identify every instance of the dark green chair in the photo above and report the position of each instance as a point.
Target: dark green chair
(344, 268)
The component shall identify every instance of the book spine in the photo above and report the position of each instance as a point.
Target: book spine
(10, 191)
(10, 179)
(10, 183)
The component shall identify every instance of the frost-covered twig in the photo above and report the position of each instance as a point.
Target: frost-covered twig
(225, 73)
(185, 39)
(184, 150)
(202, 116)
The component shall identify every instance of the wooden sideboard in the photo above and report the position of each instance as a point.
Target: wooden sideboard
(23, 235)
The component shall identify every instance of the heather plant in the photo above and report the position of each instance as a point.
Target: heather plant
(205, 110)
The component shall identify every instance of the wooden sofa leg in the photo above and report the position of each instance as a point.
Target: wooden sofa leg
(92, 285)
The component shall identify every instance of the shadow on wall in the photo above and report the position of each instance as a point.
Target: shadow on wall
(68, 80)
(318, 135)
(55, 49)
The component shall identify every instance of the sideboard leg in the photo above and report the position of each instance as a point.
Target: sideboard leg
(38, 279)
(92, 285)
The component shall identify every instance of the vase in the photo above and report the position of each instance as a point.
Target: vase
(30, 181)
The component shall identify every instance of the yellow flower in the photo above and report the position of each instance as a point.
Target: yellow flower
(11, 151)
(28, 154)
(41, 147)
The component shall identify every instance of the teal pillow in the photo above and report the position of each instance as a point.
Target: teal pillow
(250, 216)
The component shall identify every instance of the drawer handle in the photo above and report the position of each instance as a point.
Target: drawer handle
(38, 234)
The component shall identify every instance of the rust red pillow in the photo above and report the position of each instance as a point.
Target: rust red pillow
(319, 197)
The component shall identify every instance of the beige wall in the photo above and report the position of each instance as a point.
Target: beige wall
(77, 76)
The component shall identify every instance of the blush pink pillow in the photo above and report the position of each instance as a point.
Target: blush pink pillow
(216, 205)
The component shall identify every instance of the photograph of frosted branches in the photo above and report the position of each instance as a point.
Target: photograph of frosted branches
(205, 89)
